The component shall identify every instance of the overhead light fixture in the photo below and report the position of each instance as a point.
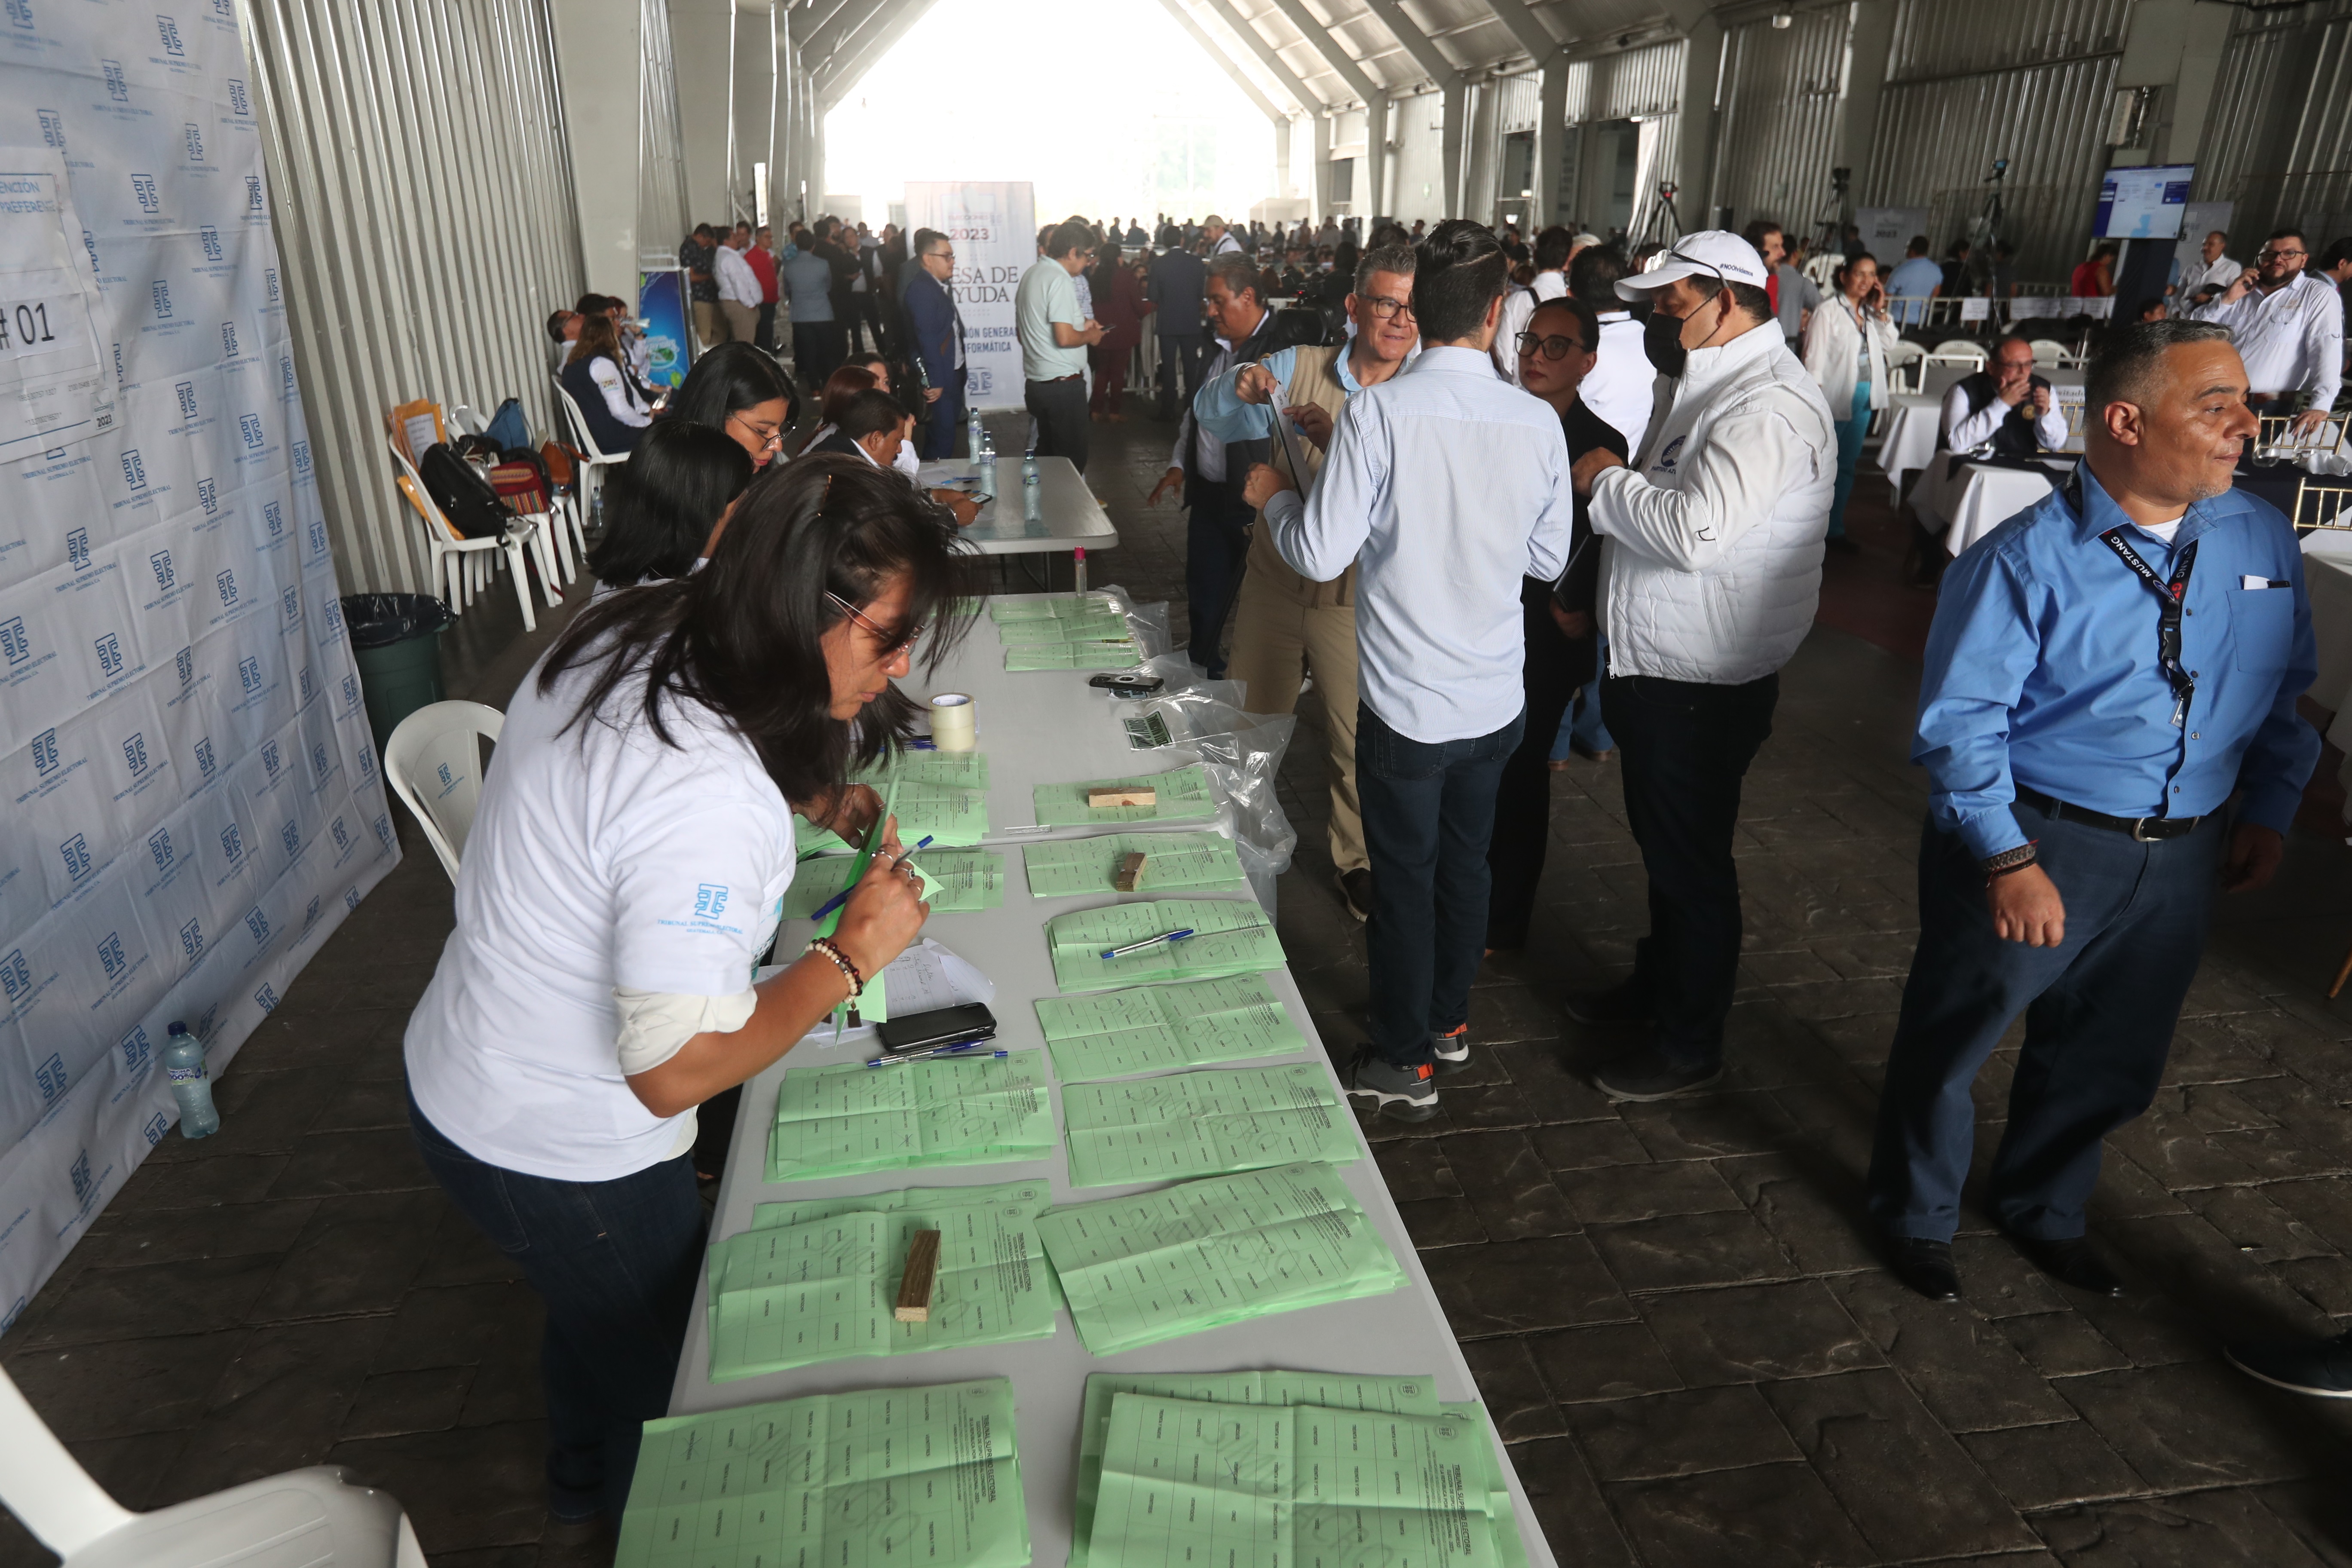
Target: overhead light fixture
(1783, 20)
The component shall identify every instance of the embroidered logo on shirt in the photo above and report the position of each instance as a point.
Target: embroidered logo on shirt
(709, 901)
(1666, 463)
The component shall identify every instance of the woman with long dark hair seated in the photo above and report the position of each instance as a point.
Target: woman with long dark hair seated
(625, 873)
(744, 391)
(664, 508)
(605, 393)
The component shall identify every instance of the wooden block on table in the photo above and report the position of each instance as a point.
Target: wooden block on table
(1129, 877)
(1142, 794)
(922, 1273)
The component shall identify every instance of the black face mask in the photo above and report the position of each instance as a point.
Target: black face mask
(1662, 339)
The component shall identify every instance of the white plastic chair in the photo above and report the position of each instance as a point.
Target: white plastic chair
(549, 544)
(595, 458)
(467, 422)
(1905, 363)
(433, 759)
(1955, 351)
(460, 565)
(2049, 353)
(304, 1519)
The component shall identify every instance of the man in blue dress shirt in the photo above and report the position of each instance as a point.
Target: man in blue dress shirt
(2106, 669)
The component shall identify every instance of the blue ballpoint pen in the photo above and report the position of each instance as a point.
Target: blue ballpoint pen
(1148, 941)
(842, 896)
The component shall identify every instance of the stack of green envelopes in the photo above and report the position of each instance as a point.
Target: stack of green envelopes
(948, 1111)
(869, 1479)
(1156, 1265)
(1173, 862)
(816, 1281)
(1230, 936)
(1276, 1390)
(1065, 631)
(1184, 795)
(1200, 1022)
(1202, 1123)
(1253, 1486)
(947, 814)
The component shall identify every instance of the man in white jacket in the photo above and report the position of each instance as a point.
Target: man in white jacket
(1710, 569)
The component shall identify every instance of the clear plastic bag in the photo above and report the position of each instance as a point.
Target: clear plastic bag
(1243, 767)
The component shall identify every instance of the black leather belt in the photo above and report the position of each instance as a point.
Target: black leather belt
(2146, 829)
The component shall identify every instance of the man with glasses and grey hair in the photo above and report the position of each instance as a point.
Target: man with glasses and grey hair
(1285, 626)
(2289, 328)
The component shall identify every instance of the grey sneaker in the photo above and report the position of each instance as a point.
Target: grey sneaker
(2320, 1367)
(1409, 1094)
(1647, 1074)
(1452, 1051)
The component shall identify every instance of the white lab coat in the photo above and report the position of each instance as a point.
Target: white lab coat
(1833, 349)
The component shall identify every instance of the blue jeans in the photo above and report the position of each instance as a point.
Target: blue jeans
(1850, 432)
(615, 1263)
(2099, 1015)
(1429, 812)
(1583, 725)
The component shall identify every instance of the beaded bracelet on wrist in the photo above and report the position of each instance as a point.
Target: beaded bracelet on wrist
(840, 960)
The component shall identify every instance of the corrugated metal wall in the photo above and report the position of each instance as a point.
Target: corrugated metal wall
(1972, 81)
(1634, 83)
(1778, 115)
(1517, 101)
(2278, 139)
(423, 202)
(662, 222)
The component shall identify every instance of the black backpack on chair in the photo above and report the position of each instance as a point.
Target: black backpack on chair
(464, 493)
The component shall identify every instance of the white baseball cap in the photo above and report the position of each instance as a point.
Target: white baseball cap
(1710, 253)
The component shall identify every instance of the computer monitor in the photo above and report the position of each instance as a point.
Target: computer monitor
(2147, 202)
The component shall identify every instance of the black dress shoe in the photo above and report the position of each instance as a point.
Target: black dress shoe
(2321, 1367)
(2070, 1261)
(1926, 1266)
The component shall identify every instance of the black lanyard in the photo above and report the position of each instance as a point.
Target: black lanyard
(2169, 597)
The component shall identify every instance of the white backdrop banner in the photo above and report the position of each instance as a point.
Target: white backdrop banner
(192, 800)
(1885, 231)
(994, 227)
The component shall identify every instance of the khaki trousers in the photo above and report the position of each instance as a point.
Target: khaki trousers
(708, 324)
(742, 320)
(1277, 640)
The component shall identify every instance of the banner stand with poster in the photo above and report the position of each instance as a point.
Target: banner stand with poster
(993, 226)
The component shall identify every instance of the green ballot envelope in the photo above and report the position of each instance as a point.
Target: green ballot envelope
(956, 770)
(1200, 1124)
(955, 881)
(880, 1478)
(1184, 795)
(1251, 1485)
(1049, 607)
(1510, 1549)
(951, 1110)
(1120, 655)
(1155, 1266)
(1153, 1027)
(1335, 1391)
(949, 816)
(1174, 862)
(1230, 936)
(822, 1288)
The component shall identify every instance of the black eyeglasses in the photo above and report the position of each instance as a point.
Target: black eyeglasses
(1549, 348)
(1384, 309)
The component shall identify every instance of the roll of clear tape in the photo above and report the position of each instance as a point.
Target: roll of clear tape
(953, 723)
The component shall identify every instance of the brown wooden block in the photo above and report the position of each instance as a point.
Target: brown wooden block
(922, 1273)
(1129, 877)
(1142, 794)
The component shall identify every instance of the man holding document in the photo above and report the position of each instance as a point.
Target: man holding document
(1285, 626)
(1446, 486)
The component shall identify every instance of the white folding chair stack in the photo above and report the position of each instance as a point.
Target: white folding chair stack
(461, 567)
(1955, 351)
(1906, 363)
(433, 759)
(311, 1518)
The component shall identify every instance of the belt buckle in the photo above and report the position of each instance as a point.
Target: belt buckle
(2140, 830)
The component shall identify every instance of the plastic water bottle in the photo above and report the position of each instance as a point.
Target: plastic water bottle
(1031, 508)
(183, 1064)
(1028, 467)
(988, 459)
(972, 433)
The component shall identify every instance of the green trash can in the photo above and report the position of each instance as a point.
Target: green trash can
(396, 643)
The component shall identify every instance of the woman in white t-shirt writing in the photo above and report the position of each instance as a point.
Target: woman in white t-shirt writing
(625, 873)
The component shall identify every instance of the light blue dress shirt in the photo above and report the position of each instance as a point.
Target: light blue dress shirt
(2041, 670)
(1228, 418)
(1914, 278)
(1446, 485)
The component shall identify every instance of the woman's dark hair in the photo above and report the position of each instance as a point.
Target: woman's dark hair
(1463, 269)
(662, 504)
(1588, 320)
(1851, 261)
(743, 637)
(841, 386)
(728, 380)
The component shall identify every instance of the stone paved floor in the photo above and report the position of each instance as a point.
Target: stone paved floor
(1670, 1309)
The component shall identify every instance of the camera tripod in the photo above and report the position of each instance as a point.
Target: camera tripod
(1837, 211)
(1985, 233)
(1669, 221)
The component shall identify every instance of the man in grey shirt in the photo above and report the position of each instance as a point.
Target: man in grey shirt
(1446, 486)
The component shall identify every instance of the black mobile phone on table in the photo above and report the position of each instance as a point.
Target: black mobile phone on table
(941, 1027)
(1127, 683)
